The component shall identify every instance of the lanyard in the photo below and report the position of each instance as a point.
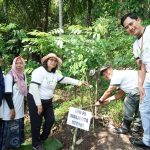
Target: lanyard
(141, 47)
(141, 50)
(142, 43)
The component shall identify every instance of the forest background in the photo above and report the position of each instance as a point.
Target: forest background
(86, 34)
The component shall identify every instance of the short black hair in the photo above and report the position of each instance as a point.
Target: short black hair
(46, 67)
(131, 15)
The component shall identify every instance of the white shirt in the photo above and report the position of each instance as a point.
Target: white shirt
(127, 80)
(18, 99)
(145, 55)
(47, 83)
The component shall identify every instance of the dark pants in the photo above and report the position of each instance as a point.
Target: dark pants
(36, 120)
(131, 107)
(0, 133)
(131, 111)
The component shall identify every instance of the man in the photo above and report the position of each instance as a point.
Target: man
(141, 50)
(125, 82)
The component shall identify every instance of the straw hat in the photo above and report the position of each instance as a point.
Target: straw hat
(51, 55)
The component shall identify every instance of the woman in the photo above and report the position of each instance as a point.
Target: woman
(2, 90)
(13, 106)
(2, 87)
(43, 82)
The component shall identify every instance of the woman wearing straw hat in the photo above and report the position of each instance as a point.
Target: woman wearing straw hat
(43, 82)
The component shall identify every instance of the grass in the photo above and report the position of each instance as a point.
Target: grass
(113, 111)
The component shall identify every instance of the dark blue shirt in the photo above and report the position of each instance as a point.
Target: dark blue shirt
(2, 86)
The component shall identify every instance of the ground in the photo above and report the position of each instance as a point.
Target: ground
(100, 138)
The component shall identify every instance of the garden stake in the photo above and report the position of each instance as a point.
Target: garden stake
(95, 73)
(96, 92)
(91, 74)
(74, 139)
(76, 129)
(92, 110)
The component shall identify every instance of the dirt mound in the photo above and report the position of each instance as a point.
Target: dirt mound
(99, 138)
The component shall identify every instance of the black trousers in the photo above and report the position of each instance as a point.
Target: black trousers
(37, 120)
(1, 139)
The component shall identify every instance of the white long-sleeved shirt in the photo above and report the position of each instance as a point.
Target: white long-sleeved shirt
(43, 84)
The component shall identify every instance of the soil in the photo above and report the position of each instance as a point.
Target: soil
(102, 137)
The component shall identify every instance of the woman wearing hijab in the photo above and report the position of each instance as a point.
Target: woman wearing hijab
(13, 106)
(43, 82)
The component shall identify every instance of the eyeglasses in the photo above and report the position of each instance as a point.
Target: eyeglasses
(53, 59)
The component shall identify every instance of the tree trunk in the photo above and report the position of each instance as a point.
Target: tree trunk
(60, 14)
(89, 8)
(5, 5)
(46, 15)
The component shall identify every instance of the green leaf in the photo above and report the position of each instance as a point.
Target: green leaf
(49, 144)
(53, 144)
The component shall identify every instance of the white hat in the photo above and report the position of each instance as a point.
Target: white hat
(104, 68)
(53, 56)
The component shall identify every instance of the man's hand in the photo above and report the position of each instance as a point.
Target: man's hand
(139, 63)
(106, 101)
(99, 102)
(12, 114)
(142, 93)
(39, 109)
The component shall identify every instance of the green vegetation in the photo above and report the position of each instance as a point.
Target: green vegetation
(91, 36)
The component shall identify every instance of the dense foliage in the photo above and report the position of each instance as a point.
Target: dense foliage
(91, 36)
(81, 48)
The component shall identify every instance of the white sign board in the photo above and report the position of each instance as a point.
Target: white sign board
(79, 118)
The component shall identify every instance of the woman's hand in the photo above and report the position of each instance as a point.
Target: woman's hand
(12, 114)
(83, 83)
(39, 109)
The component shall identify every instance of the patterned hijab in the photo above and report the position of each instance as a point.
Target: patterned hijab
(19, 75)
